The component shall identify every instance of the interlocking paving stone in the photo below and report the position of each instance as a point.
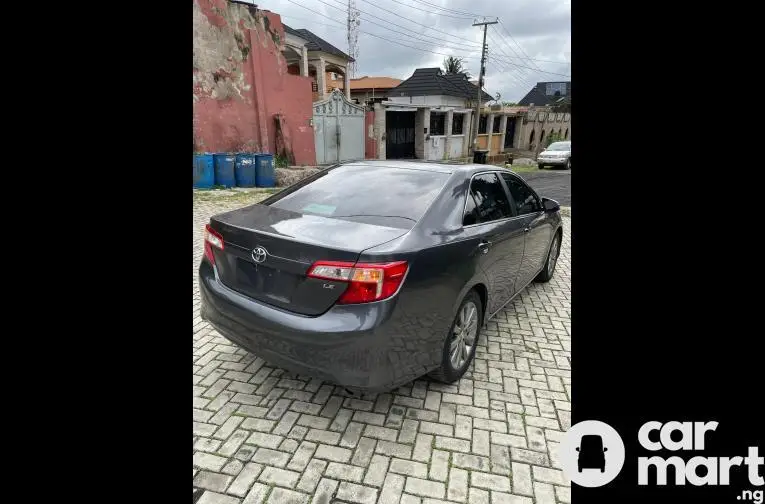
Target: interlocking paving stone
(263, 435)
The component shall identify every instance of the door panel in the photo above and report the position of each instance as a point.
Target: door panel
(537, 227)
(331, 134)
(502, 235)
(352, 138)
(538, 242)
(504, 261)
(318, 125)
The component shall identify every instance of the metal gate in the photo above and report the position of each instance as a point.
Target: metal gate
(338, 129)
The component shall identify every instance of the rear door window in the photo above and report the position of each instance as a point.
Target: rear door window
(380, 195)
(526, 201)
(489, 199)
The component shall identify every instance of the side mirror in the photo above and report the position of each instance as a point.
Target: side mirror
(577, 448)
(605, 449)
(550, 205)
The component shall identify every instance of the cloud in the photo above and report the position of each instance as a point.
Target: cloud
(534, 37)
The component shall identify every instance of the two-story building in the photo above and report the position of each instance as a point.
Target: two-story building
(309, 55)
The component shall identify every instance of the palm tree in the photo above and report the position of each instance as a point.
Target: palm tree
(454, 65)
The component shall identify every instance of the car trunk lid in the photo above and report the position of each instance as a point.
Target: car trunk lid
(268, 252)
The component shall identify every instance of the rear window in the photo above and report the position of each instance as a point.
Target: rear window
(384, 196)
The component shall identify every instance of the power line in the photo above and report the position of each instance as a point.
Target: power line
(431, 12)
(499, 48)
(442, 41)
(502, 70)
(469, 14)
(513, 39)
(305, 20)
(536, 69)
(378, 36)
(420, 24)
(405, 45)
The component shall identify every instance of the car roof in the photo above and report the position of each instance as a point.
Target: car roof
(422, 165)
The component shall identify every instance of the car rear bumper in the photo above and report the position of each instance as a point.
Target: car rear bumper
(350, 345)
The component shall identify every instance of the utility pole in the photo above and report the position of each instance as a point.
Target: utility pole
(481, 72)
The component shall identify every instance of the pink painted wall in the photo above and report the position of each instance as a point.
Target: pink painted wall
(241, 83)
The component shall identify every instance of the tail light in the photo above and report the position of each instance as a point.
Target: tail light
(366, 281)
(212, 239)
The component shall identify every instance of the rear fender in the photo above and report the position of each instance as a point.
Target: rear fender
(478, 279)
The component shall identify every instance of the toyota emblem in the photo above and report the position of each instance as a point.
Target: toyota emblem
(259, 254)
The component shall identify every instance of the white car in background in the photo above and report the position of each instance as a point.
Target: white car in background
(556, 154)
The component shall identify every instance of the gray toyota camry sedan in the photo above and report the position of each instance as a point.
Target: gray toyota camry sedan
(373, 273)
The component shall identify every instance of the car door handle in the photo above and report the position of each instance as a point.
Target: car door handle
(484, 246)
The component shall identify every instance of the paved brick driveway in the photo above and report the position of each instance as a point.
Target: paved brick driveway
(264, 435)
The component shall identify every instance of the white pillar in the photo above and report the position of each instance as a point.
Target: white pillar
(448, 133)
(489, 132)
(466, 129)
(304, 61)
(502, 132)
(321, 78)
(347, 83)
(380, 130)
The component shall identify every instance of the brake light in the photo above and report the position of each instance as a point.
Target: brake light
(366, 281)
(212, 239)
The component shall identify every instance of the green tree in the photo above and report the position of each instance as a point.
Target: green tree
(553, 137)
(455, 65)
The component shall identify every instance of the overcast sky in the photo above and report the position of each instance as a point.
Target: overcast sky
(535, 34)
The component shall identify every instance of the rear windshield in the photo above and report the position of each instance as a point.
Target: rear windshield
(559, 146)
(385, 196)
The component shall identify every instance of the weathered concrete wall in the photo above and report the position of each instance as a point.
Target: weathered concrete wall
(379, 130)
(539, 121)
(421, 125)
(241, 84)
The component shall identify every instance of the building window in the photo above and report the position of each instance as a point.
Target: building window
(457, 121)
(314, 87)
(495, 126)
(482, 124)
(555, 89)
(437, 123)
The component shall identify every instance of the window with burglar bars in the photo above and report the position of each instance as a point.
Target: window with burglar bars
(482, 120)
(437, 123)
(457, 122)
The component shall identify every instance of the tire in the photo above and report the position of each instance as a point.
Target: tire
(549, 270)
(450, 372)
(568, 164)
(541, 166)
